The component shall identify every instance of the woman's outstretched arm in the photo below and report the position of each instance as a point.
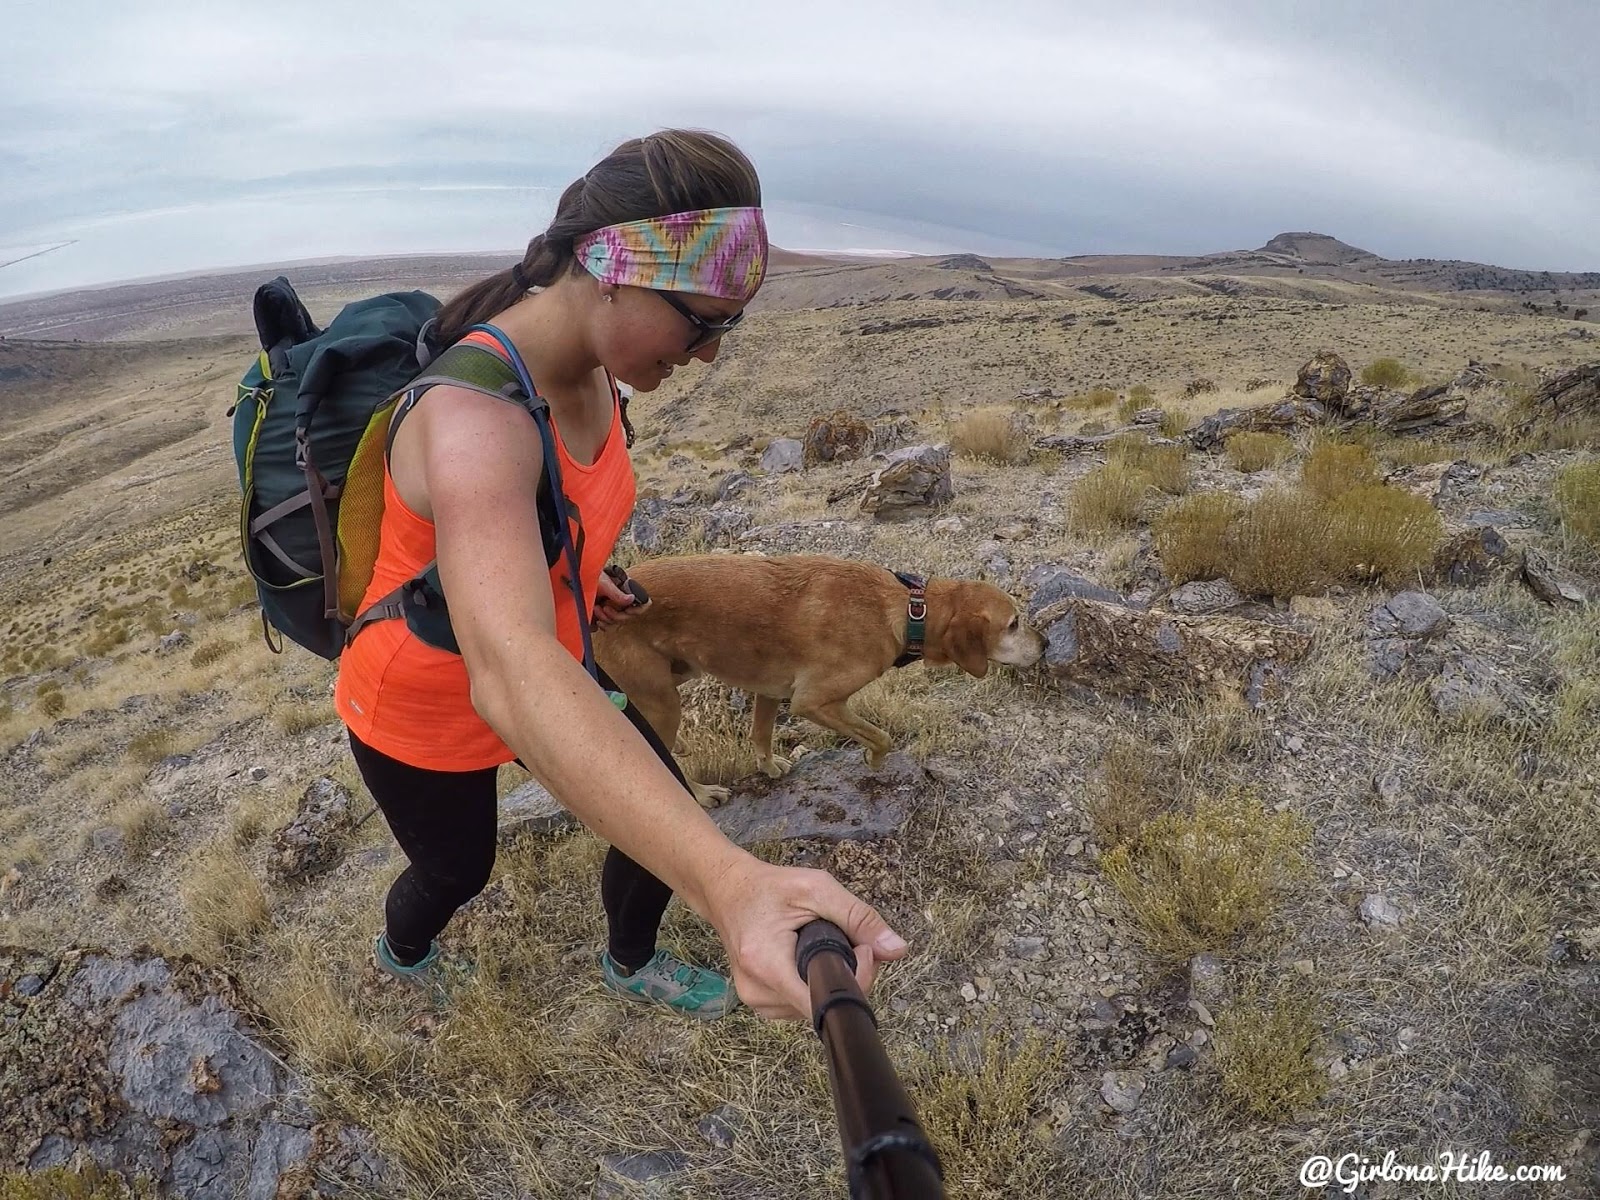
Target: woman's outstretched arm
(482, 462)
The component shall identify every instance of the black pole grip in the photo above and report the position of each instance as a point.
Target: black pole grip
(887, 1155)
(817, 937)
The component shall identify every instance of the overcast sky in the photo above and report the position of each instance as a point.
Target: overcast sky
(155, 136)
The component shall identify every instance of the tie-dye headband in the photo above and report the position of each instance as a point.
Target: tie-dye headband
(718, 252)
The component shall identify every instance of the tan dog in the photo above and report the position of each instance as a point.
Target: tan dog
(803, 628)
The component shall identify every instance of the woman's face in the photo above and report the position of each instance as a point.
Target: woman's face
(642, 338)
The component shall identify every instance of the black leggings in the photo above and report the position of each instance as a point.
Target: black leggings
(445, 821)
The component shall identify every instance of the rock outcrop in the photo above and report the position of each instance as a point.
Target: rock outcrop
(160, 1067)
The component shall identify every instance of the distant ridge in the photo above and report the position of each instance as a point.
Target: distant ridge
(1316, 248)
(1301, 265)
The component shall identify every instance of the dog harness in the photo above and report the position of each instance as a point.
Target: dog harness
(916, 616)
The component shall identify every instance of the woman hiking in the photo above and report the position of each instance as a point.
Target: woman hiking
(649, 261)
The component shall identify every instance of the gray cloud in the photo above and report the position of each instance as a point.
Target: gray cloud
(1461, 129)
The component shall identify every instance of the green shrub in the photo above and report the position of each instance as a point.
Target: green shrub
(1109, 497)
(59, 1183)
(1280, 546)
(210, 652)
(1250, 452)
(1333, 468)
(1578, 500)
(1191, 535)
(981, 1105)
(1136, 786)
(1386, 373)
(1167, 466)
(1199, 881)
(1267, 1053)
(151, 746)
(1381, 532)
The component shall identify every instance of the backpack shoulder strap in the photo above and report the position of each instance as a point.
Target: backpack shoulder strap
(473, 368)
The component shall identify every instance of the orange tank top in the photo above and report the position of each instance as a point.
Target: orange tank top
(413, 701)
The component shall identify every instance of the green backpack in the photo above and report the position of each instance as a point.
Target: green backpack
(311, 433)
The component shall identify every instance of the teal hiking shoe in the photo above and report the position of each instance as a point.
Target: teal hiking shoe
(697, 992)
(436, 973)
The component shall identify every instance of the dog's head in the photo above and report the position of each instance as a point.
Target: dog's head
(980, 625)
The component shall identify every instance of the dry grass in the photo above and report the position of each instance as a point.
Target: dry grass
(1279, 546)
(1386, 373)
(1108, 499)
(22, 850)
(1411, 452)
(250, 819)
(144, 824)
(1166, 467)
(1267, 1053)
(226, 905)
(296, 716)
(1250, 452)
(1174, 422)
(1333, 468)
(982, 1103)
(536, 1068)
(1191, 535)
(1136, 786)
(998, 435)
(1381, 532)
(1571, 433)
(1578, 501)
(1200, 881)
(1094, 398)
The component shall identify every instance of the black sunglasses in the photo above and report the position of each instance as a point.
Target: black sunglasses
(704, 331)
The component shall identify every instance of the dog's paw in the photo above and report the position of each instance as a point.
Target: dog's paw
(776, 766)
(708, 795)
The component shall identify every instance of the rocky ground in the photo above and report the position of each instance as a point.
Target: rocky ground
(1229, 881)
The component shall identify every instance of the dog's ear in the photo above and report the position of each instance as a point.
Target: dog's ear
(969, 643)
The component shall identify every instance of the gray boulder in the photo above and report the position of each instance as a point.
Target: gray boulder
(829, 794)
(531, 810)
(782, 455)
(313, 841)
(160, 1067)
(1053, 584)
(1410, 615)
(1201, 596)
(914, 478)
(1551, 583)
